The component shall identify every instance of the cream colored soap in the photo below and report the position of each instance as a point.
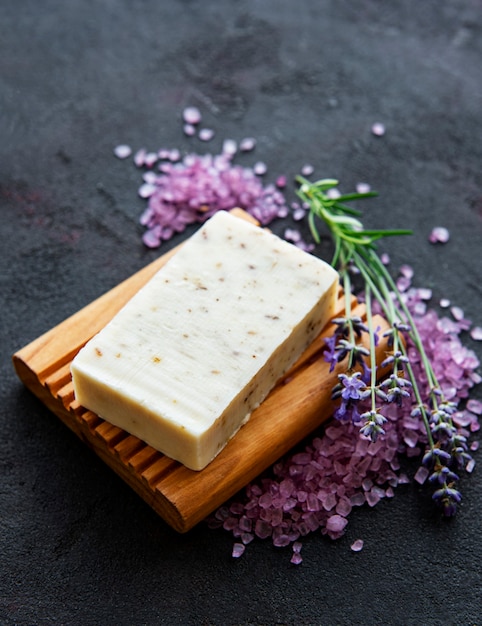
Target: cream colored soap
(189, 357)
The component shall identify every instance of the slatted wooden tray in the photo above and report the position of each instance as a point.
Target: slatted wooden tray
(182, 497)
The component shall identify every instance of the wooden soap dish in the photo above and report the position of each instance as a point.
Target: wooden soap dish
(299, 403)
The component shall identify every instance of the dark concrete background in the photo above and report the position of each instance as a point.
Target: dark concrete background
(307, 79)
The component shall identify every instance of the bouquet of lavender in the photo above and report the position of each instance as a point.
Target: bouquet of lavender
(363, 397)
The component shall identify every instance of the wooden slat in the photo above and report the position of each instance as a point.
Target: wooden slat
(142, 459)
(299, 404)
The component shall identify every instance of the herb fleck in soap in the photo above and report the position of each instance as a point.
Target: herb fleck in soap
(200, 346)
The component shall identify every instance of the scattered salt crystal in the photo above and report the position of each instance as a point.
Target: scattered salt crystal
(307, 170)
(151, 239)
(463, 418)
(372, 497)
(378, 129)
(407, 271)
(403, 283)
(149, 177)
(363, 188)
(189, 130)
(439, 234)
(174, 155)
(139, 157)
(165, 168)
(476, 333)
(470, 466)
(291, 234)
(329, 501)
(358, 499)
(344, 506)
(424, 294)
(230, 147)
(206, 134)
(336, 523)
(263, 529)
(474, 406)
(444, 303)
(457, 312)
(247, 144)
(357, 545)
(474, 446)
(333, 193)
(421, 475)
(281, 182)
(191, 115)
(280, 540)
(146, 190)
(385, 258)
(299, 214)
(238, 550)
(150, 159)
(296, 558)
(410, 437)
(123, 151)
(260, 168)
(303, 458)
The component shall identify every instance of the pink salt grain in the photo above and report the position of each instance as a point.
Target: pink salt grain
(378, 129)
(260, 168)
(421, 475)
(357, 545)
(139, 157)
(299, 214)
(474, 406)
(385, 258)
(476, 333)
(206, 134)
(230, 147)
(122, 151)
(192, 115)
(363, 188)
(189, 130)
(150, 159)
(333, 193)
(247, 144)
(407, 271)
(146, 190)
(238, 550)
(336, 524)
(439, 234)
(457, 312)
(307, 169)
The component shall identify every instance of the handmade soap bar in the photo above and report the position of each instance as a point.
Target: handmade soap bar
(189, 357)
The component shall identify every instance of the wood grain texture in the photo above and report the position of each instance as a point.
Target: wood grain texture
(299, 403)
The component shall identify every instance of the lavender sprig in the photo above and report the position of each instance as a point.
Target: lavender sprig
(355, 253)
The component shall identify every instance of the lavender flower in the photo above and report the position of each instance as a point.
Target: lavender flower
(447, 498)
(373, 424)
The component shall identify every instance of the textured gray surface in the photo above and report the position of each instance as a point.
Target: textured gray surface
(307, 79)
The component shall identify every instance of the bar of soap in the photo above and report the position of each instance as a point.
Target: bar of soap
(186, 361)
